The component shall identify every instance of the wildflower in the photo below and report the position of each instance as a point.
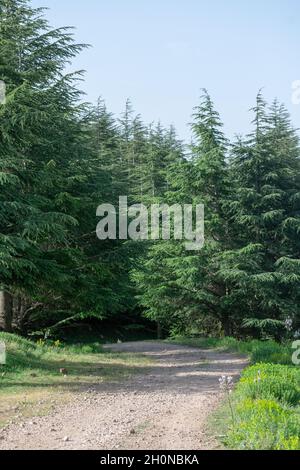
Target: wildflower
(226, 383)
(258, 378)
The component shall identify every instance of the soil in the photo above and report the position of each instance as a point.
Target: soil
(163, 408)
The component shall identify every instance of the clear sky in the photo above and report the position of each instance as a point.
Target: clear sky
(160, 53)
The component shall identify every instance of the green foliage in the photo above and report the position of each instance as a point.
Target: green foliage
(265, 425)
(267, 352)
(271, 382)
(60, 159)
(271, 352)
(267, 402)
(245, 281)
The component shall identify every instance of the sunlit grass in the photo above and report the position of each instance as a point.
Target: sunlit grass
(33, 378)
(268, 351)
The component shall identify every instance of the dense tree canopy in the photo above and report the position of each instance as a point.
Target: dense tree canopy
(60, 159)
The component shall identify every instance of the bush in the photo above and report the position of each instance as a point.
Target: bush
(264, 425)
(92, 348)
(266, 413)
(271, 352)
(271, 381)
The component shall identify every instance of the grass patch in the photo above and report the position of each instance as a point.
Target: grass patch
(258, 351)
(31, 381)
(266, 402)
(267, 409)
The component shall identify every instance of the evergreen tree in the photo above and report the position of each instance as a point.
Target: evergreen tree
(186, 285)
(266, 170)
(34, 121)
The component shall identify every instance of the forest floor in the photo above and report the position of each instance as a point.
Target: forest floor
(165, 406)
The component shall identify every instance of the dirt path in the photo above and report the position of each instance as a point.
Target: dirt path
(165, 408)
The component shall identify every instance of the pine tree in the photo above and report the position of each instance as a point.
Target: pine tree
(180, 287)
(266, 169)
(38, 125)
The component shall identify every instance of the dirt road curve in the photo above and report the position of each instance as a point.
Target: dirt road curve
(164, 408)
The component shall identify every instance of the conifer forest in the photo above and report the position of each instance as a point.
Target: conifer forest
(61, 157)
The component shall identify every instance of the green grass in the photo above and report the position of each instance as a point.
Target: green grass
(31, 380)
(258, 351)
(266, 402)
(267, 409)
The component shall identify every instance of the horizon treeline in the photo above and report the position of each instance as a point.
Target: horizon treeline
(60, 159)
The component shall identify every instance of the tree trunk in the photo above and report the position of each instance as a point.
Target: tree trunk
(226, 324)
(159, 330)
(6, 311)
(18, 313)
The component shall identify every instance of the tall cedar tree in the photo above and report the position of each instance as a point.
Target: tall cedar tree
(266, 215)
(182, 288)
(37, 130)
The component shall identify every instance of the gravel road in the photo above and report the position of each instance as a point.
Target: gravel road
(164, 408)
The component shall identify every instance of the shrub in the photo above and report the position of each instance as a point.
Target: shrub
(293, 443)
(267, 381)
(271, 352)
(264, 425)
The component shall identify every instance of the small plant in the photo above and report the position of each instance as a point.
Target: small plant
(258, 378)
(226, 385)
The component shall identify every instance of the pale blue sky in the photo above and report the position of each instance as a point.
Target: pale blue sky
(160, 53)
